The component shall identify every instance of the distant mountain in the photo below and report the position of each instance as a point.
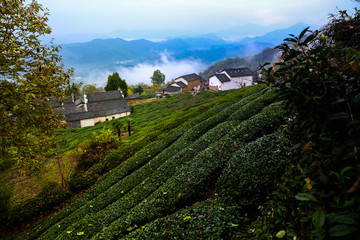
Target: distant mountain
(110, 54)
(277, 36)
(252, 62)
(239, 32)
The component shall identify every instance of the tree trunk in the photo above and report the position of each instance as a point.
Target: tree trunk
(129, 129)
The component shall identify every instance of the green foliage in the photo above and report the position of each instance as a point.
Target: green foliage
(5, 204)
(31, 73)
(73, 88)
(50, 196)
(138, 89)
(80, 180)
(115, 82)
(210, 219)
(89, 88)
(95, 150)
(252, 173)
(158, 78)
(318, 77)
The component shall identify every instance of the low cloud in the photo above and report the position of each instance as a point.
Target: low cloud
(142, 72)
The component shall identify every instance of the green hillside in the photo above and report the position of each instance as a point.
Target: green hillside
(180, 175)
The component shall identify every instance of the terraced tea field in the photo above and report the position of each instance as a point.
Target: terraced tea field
(203, 178)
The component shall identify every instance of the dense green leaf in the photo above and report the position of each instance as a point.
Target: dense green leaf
(305, 197)
(342, 230)
(318, 218)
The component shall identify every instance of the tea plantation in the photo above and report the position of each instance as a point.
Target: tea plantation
(203, 177)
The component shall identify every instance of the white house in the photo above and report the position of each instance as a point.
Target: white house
(232, 79)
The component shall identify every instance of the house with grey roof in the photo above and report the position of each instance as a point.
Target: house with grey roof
(90, 109)
(184, 83)
(233, 78)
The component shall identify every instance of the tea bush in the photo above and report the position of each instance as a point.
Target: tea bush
(252, 173)
(209, 219)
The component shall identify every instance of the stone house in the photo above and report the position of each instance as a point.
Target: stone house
(90, 109)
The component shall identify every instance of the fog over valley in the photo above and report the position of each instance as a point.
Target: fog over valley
(140, 73)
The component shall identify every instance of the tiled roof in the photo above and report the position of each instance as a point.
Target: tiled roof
(133, 96)
(99, 105)
(190, 77)
(171, 89)
(104, 96)
(222, 77)
(100, 109)
(180, 84)
(239, 72)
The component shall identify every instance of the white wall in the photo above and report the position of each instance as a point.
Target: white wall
(93, 121)
(182, 80)
(87, 122)
(215, 82)
(235, 83)
(247, 80)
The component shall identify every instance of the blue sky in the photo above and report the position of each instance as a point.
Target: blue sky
(204, 16)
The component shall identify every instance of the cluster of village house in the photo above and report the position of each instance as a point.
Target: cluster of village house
(89, 109)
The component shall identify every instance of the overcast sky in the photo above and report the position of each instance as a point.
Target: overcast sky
(105, 16)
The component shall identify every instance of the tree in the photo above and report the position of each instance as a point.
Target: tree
(31, 73)
(116, 125)
(89, 88)
(129, 92)
(129, 121)
(158, 78)
(115, 82)
(73, 88)
(139, 89)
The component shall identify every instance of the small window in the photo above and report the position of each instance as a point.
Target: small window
(107, 119)
(113, 117)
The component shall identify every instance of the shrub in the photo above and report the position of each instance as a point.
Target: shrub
(80, 180)
(5, 204)
(210, 219)
(251, 174)
(49, 197)
(318, 77)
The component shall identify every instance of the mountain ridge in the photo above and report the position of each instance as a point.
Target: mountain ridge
(111, 53)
